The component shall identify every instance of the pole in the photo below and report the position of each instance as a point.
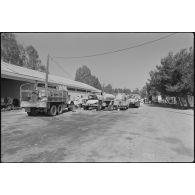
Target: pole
(47, 72)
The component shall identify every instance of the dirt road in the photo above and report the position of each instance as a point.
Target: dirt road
(146, 134)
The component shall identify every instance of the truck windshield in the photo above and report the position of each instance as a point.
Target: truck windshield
(26, 91)
(92, 97)
(28, 86)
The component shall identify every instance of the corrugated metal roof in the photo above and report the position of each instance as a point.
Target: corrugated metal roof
(21, 72)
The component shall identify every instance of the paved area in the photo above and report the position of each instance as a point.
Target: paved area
(146, 134)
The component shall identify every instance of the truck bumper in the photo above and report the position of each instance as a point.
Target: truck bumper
(91, 106)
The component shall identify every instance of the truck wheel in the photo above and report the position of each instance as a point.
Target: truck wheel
(71, 106)
(60, 109)
(53, 110)
(99, 108)
(32, 112)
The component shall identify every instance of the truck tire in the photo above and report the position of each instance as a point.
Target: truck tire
(29, 113)
(71, 106)
(32, 112)
(60, 109)
(53, 110)
(99, 108)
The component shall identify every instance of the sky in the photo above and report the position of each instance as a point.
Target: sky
(127, 69)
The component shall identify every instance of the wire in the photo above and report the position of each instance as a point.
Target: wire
(119, 50)
(61, 67)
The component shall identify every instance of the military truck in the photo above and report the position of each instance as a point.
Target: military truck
(36, 99)
(134, 101)
(120, 102)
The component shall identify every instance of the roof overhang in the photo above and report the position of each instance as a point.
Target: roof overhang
(11, 71)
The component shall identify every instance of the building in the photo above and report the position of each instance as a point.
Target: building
(13, 76)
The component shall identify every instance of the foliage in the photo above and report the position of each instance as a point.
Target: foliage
(143, 92)
(33, 57)
(83, 74)
(136, 91)
(9, 48)
(108, 89)
(14, 53)
(174, 77)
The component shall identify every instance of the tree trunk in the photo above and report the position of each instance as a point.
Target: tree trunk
(166, 101)
(180, 98)
(187, 101)
(181, 102)
(178, 102)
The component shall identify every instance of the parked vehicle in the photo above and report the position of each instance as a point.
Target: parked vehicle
(94, 102)
(134, 102)
(120, 102)
(36, 99)
(78, 101)
(108, 101)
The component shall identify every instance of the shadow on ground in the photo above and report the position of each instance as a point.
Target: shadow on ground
(173, 106)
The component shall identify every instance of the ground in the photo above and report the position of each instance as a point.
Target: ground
(145, 134)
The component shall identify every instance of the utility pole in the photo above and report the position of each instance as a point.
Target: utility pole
(47, 72)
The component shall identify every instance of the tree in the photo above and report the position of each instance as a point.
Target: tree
(14, 53)
(126, 91)
(9, 48)
(174, 77)
(143, 92)
(33, 57)
(136, 91)
(108, 89)
(83, 74)
(23, 56)
(94, 81)
(42, 68)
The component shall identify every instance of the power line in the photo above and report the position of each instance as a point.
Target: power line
(119, 50)
(61, 67)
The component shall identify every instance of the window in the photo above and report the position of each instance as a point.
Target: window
(28, 86)
(42, 85)
(52, 87)
(71, 89)
(81, 90)
(92, 97)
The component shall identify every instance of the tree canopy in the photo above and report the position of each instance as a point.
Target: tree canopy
(174, 76)
(14, 53)
(83, 74)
